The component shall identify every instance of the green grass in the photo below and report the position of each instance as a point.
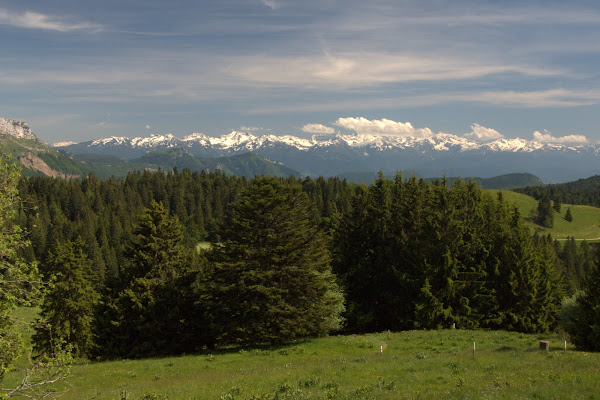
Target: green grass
(414, 365)
(585, 224)
(203, 246)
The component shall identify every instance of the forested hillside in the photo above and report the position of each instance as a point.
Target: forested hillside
(290, 258)
(103, 212)
(582, 191)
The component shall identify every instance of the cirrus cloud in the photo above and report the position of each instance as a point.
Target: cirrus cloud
(317, 128)
(547, 137)
(382, 127)
(34, 20)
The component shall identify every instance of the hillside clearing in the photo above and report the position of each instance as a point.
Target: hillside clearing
(413, 365)
(585, 224)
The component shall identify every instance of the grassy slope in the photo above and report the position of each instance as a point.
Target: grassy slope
(415, 364)
(586, 219)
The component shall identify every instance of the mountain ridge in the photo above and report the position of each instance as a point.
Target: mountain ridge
(335, 154)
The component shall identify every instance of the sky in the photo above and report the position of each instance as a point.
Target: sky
(77, 70)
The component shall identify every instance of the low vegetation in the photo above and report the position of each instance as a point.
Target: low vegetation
(414, 365)
(291, 259)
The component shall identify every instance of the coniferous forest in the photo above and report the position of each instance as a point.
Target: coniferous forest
(289, 258)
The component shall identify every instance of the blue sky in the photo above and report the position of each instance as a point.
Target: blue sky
(79, 70)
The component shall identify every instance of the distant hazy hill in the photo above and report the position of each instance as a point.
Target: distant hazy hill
(507, 181)
(37, 158)
(246, 164)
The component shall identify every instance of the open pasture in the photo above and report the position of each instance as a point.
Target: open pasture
(413, 365)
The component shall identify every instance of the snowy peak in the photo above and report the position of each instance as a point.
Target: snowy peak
(16, 128)
(237, 141)
(156, 140)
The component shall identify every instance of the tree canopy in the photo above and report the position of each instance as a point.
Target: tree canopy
(269, 280)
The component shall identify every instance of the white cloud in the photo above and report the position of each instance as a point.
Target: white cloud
(272, 4)
(362, 69)
(382, 127)
(33, 20)
(250, 128)
(547, 137)
(479, 132)
(317, 128)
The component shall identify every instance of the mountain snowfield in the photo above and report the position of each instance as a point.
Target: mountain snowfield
(328, 154)
(238, 141)
(430, 155)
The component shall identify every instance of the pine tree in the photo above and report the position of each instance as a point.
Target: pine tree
(568, 215)
(545, 217)
(584, 327)
(556, 205)
(270, 280)
(151, 311)
(67, 311)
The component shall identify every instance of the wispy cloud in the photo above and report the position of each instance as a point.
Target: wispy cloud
(272, 4)
(34, 20)
(317, 128)
(251, 128)
(348, 70)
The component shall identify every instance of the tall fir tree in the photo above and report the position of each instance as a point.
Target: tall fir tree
(568, 215)
(151, 311)
(269, 281)
(584, 325)
(545, 217)
(67, 310)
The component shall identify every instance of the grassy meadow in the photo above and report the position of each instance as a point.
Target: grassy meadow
(413, 365)
(585, 224)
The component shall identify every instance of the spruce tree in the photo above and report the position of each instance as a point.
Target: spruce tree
(67, 311)
(150, 311)
(568, 215)
(556, 205)
(269, 280)
(545, 217)
(584, 324)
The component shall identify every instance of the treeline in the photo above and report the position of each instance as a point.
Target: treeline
(416, 255)
(121, 258)
(103, 213)
(582, 191)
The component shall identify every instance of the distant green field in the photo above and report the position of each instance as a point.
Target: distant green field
(585, 224)
(413, 365)
(203, 246)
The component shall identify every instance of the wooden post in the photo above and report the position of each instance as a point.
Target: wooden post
(473, 350)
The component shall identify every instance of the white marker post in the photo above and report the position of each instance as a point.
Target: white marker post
(381, 350)
(473, 350)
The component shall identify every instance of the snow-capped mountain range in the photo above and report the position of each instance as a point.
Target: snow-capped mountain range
(332, 154)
